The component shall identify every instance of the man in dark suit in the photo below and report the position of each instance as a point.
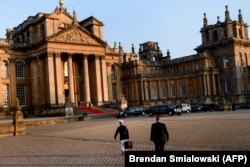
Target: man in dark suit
(124, 135)
(159, 134)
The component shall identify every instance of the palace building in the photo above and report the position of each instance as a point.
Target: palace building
(51, 59)
(218, 73)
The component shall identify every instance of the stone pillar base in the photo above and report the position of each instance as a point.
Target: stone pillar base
(19, 129)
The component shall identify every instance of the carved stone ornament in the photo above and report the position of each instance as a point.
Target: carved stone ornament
(75, 36)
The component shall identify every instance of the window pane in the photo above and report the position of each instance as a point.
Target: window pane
(19, 70)
(21, 94)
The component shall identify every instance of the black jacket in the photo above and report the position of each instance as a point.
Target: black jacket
(123, 131)
(159, 132)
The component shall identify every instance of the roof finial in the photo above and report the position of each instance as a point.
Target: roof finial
(218, 19)
(205, 20)
(133, 49)
(240, 16)
(168, 55)
(227, 14)
(120, 48)
(61, 4)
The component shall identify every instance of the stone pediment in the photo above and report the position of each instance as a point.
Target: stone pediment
(76, 35)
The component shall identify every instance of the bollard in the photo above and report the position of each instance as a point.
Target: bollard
(18, 122)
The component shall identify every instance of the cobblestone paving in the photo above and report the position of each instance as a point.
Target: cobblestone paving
(91, 143)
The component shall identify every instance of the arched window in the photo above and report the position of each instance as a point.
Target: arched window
(4, 69)
(19, 69)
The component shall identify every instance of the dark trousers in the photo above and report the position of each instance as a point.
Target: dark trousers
(159, 146)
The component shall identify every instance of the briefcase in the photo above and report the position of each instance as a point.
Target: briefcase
(128, 144)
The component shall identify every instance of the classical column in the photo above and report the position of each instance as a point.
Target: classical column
(136, 93)
(98, 80)
(146, 90)
(208, 86)
(51, 78)
(12, 75)
(109, 80)
(34, 81)
(104, 80)
(86, 79)
(142, 90)
(71, 79)
(205, 85)
(150, 90)
(159, 90)
(59, 80)
(214, 85)
(168, 87)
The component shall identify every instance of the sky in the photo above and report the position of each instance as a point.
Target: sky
(175, 25)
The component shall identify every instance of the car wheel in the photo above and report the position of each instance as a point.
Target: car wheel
(170, 113)
(150, 114)
(125, 115)
(143, 113)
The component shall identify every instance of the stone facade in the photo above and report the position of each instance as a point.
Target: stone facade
(51, 59)
(218, 73)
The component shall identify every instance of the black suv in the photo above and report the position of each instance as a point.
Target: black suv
(160, 109)
(137, 110)
(205, 107)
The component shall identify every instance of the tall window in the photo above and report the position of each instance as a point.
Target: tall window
(4, 69)
(164, 92)
(20, 89)
(114, 97)
(5, 96)
(173, 91)
(155, 93)
(19, 69)
(183, 91)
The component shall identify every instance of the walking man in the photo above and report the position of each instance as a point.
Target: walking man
(159, 135)
(124, 135)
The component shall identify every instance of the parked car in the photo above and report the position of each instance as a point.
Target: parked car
(205, 107)
(177, 109)
(160, 109)
(186, 108)
(135, 110)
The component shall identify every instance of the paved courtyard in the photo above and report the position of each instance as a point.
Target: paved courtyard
(91, 143)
